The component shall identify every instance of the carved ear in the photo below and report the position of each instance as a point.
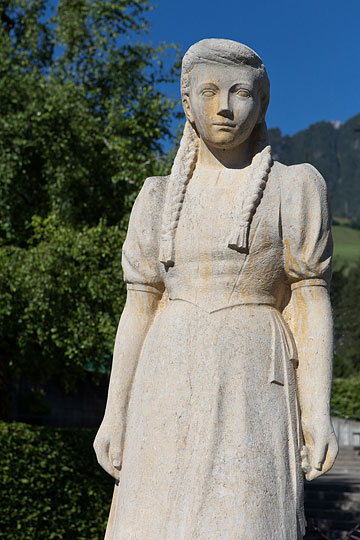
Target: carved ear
(188, 109)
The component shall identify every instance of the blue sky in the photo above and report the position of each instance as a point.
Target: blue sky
(311, 49)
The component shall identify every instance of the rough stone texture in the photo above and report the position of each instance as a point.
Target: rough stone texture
(219, 393)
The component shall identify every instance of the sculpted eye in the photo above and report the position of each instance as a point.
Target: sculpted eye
(243, 93)
(208, 92)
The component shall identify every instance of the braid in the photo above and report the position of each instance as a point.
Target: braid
(260, 169)
(181, 173)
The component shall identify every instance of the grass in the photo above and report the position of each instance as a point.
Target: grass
(346, 245)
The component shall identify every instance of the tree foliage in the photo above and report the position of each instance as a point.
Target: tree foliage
(346, 396)
(61, 301)
(82, 120)
(81, 116)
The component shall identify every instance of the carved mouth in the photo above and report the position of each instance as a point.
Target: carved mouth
(224, 125)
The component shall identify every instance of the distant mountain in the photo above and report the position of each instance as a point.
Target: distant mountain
(334, 149)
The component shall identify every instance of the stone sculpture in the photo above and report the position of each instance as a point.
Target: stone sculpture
(220, 386)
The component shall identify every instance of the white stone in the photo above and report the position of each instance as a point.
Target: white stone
(220, 386)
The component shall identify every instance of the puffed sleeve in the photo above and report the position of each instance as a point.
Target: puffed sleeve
(306, 225)
(140, 253)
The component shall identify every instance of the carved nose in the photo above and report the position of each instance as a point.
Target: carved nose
(224, 106)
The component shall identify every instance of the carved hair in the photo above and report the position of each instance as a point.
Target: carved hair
(219, 51)
(181, 172)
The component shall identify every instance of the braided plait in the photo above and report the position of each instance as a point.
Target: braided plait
(181, 172)
(259, 170)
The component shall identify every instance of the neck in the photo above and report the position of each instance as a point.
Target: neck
(217, 158)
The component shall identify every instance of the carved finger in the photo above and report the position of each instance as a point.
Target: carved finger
(110, 466)
(331, 454)
(305, 463)
(318, 455)
(312, 474)
(103, 460)
(116, 457)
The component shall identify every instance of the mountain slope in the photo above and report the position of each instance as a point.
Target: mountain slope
(335, 151)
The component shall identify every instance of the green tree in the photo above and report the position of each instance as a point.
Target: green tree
(82, 122)
(82, 119)
(61, 300)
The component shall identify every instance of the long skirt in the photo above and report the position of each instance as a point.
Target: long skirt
(212, 439)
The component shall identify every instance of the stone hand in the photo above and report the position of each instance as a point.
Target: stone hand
(320, 450)
(108, 446)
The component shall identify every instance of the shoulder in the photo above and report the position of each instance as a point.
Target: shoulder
(146, 214)
(301, 180)
(152, 194)
(154, 185)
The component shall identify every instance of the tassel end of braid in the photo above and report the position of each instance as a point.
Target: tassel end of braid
(167, 264)
(240, 241)
(166, 257)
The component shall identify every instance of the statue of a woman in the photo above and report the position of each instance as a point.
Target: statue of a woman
(220, 386)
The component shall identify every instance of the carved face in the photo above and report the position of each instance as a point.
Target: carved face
(224, 103)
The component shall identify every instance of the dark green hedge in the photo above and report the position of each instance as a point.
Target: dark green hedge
(51, 486)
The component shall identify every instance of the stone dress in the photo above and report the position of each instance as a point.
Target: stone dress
(212, 440)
